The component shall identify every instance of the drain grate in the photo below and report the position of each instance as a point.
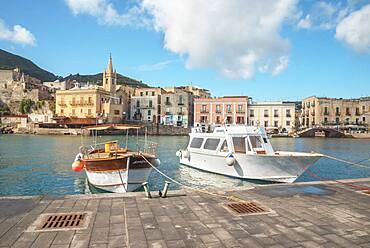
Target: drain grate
(62, 221)
(246, 208)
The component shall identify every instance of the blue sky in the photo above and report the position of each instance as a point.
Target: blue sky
(302, 48)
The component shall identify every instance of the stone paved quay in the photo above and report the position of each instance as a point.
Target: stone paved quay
(302, 215)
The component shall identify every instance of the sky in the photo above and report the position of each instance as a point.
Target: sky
(268, 50)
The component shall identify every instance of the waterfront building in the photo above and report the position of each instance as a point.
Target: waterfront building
(107, 103)
(177, 107)
(273, 115)
(59, 85)
(324, 111)
(216, 111)
(197, 92)
(146, 105)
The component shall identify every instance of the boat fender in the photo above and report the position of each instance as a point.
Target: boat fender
(178, 154)
(157, 162)
(78, 165)
(185, 153)
(230, 160)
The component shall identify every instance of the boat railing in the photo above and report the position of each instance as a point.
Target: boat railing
(150, 148)
(87, 150)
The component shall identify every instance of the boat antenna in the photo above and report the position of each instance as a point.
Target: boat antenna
(137, 140)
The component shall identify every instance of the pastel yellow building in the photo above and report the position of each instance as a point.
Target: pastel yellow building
(108, 103)
(324, 111)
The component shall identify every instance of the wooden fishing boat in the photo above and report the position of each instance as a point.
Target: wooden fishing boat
(113, 168)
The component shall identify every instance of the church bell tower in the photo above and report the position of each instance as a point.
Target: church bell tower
(110, 77)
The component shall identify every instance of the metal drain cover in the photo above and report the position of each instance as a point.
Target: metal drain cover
(244, 208)
(60, 222)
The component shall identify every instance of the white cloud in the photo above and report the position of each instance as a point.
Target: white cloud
(155, 67)
(106, 13)
(355, 30)
(232, 37)
(18, 34)
(305, 23)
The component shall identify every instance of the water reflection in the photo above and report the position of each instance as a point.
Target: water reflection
(39, 165)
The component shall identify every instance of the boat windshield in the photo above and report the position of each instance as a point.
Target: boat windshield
(239, 144)
(256, 141)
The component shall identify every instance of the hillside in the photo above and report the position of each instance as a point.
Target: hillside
(98, 78)
(11, 61)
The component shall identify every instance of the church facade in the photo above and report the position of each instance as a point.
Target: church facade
(107, 103)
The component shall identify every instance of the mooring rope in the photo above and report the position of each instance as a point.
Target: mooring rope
(126, 225)
(346, 161)
(229, 198)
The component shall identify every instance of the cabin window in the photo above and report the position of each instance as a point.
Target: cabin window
(211, 144)
(196, 143)
(224, 147)
(256, 141)
(239, 144)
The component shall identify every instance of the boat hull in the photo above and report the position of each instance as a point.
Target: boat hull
(119, 175)
(279, 167)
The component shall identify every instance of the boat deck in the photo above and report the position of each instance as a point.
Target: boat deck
(319, 214)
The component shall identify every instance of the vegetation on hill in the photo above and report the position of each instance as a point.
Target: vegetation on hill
(11, 61)
(99, 79)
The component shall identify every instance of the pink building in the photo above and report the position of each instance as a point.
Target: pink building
(227, 109)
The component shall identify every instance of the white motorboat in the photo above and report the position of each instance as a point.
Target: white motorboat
(243, 152)
(116, 169)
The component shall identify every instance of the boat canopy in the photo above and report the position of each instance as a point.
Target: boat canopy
(114, 126)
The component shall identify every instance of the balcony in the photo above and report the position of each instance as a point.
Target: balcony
(265, 115)
(148, 107)
(218, 111)
(326, 113)
(348, 113)
(168, 113)
(180, 104)
(204, 111)
(180, 113)
(251, 115)
(288, 115)
(168, 103)
(63, 104)
(358, 113)
(73, 103)
(313, 113)
(276, 115)
(337, 113)
(240, 112)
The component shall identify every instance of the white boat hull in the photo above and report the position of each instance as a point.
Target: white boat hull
(279, 167)
(112, 181)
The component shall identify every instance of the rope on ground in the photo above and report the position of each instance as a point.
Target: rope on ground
(229, 198)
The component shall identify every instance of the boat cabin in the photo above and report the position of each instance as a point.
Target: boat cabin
(231, 139)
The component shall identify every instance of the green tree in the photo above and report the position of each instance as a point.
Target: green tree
(26, 106)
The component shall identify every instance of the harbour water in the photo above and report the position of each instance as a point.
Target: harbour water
(40, 165)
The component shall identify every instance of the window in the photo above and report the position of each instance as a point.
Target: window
(90, 99)
(73, 111)
(196, 143)
(141, 93)
(211, 144)
(89, 111)
(153, 93)
(150, 103)
(256, 141)
(62, 111)
(218, 119)
(239, 144)
(288, 113)
(251, 113)
(218, 108)
(204, 109)
(240, 108)
(252, 123)
(228, 108)
(266, 124)
(167, 100)
(337, 111)
(81, 111)
(276, 113)
(229, 120)
(180, 99)
(240, 120)
(138, 104)
(224, 147)
(348, 112)
(149, 112)
(326, 112)
(288, 123)
(116, 112)
(276, 123)
(266, 113)
(203, 119)
(146, 93)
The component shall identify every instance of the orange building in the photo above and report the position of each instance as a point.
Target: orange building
(227, 109)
